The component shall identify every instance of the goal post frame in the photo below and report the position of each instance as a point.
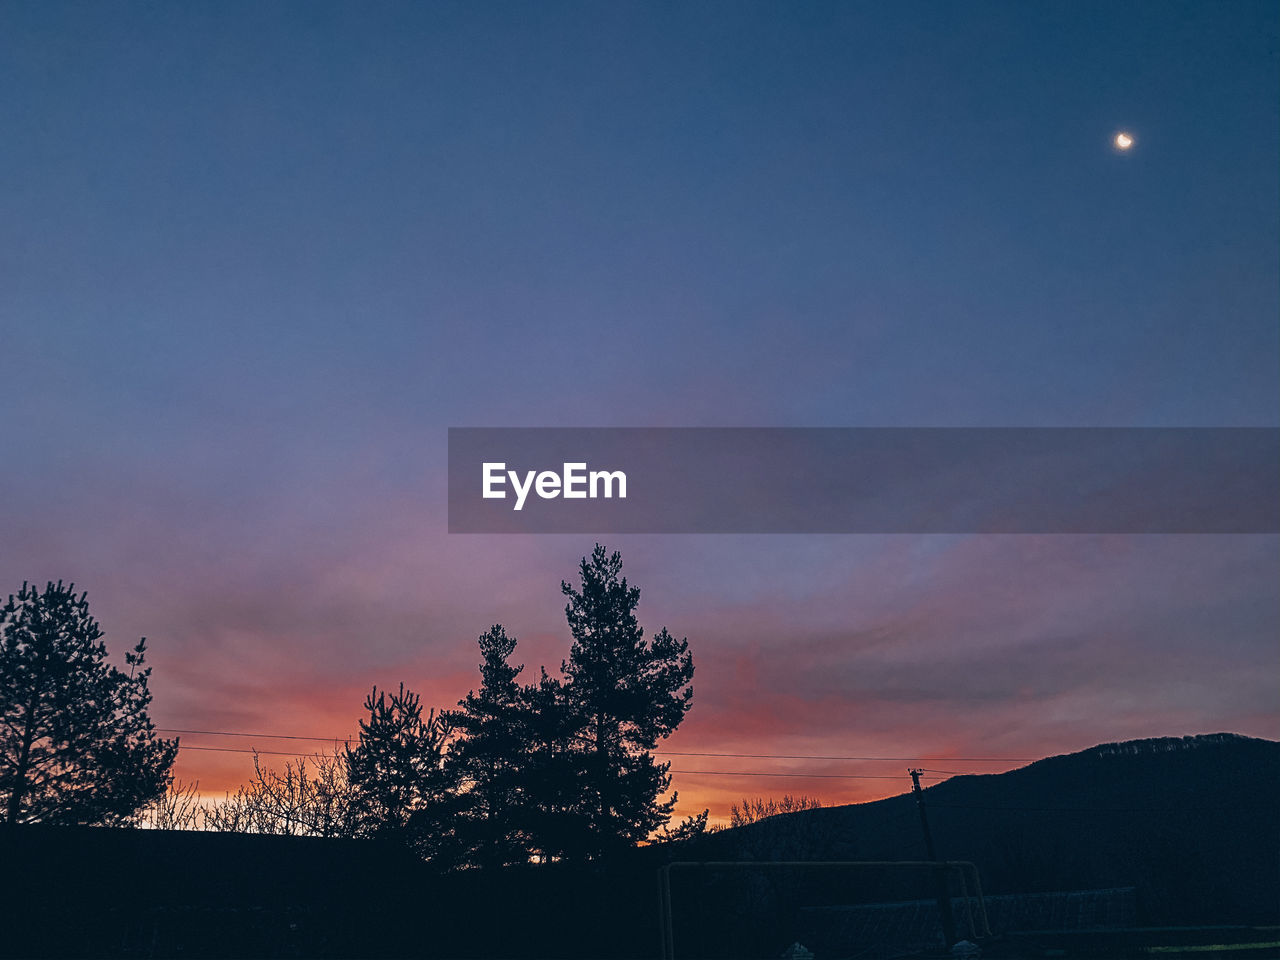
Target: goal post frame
(966, 871)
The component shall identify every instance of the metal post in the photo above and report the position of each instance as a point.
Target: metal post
(943, 881)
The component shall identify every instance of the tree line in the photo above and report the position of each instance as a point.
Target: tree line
(556, 767)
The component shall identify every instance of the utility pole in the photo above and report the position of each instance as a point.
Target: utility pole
(943, 881)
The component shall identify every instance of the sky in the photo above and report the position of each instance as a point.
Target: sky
(256, 259)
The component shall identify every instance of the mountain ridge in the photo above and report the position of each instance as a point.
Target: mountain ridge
(1189, 822)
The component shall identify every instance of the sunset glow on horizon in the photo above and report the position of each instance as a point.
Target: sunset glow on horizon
(257, 260)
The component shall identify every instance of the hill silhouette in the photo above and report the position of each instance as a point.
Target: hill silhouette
(1190, 823)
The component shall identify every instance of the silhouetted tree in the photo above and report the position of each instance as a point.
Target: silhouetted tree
(553, 775)
(623, 693)
(688, 830)
(752, 811)
(309, 797)
(401, 787)
(493, 757)
(785, 829)
(178, 808)
(76, 743)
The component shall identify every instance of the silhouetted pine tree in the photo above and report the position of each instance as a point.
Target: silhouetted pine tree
(553, 774)
(691, 828)
(623, 694)
(493, 758)
(76, 743)
(401, 787)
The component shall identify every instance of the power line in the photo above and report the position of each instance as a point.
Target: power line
(802, 776)
(262, 736)
(700, 773)
(275, 753)
(665, 753)
(810, 756)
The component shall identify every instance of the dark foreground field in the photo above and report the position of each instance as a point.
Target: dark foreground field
(1146, 849)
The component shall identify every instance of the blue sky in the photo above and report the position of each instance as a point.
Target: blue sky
(255, 259)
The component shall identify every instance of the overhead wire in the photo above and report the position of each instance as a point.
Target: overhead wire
(706, 773)
(666, 753)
